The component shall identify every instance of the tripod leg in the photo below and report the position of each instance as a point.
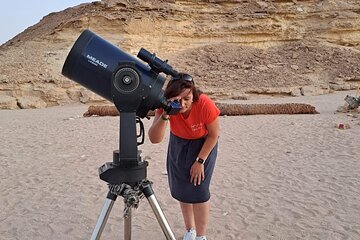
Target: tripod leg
(149, 194)
(127, 225)
(104, 215)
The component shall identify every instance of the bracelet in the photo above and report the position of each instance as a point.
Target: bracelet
(164, 118)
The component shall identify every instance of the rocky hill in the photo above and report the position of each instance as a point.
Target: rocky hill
(234, 49)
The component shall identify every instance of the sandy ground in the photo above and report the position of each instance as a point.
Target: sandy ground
(277, 176)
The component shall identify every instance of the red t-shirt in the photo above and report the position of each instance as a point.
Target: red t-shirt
(202, 113)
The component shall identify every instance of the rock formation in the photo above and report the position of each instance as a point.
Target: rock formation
(235, 49)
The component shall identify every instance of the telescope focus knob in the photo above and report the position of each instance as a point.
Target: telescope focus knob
(126, 80)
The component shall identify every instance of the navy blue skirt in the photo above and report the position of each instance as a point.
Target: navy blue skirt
(182, 154)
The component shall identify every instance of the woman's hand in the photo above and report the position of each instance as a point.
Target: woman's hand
(197, 173)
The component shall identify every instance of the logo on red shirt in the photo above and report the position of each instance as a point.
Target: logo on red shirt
(197, 127)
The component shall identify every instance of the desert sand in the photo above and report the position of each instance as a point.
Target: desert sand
(277, 176)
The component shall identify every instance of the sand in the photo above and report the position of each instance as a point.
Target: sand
(277, 176)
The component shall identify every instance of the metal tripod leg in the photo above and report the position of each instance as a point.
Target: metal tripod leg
(127, 225)
(149, 194)
(104, 215)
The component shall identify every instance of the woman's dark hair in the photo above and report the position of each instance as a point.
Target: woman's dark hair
(178, 84)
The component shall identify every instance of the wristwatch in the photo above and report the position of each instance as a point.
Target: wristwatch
(200, 160)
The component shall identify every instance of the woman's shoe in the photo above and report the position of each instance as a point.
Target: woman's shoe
(201, 238)
(190, 234)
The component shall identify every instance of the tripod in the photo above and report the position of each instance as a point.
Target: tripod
(126, 177)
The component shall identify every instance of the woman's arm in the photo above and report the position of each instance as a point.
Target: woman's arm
(211, 140)
(197, 173)
(157, 130)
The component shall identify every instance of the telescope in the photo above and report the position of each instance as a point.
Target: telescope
(119, 77)
(135, 87)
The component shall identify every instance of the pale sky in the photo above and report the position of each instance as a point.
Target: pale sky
(17, 15)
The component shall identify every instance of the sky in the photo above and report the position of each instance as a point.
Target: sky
(17, 15)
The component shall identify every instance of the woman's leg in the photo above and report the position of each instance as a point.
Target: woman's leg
(201, 216)
(188, 215)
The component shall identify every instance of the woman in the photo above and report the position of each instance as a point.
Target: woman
(192, 151)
